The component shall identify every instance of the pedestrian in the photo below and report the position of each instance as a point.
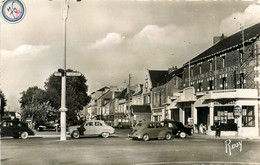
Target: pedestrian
(217, 126)
(201, 128)
(205, 129)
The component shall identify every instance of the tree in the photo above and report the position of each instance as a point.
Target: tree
(38, 112)
(35, 104)
(76, 94)
(33, 95)
(2, 103)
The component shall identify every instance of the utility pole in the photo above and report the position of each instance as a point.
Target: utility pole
(128, 100)
(63, 73)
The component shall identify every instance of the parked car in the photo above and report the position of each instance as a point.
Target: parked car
(49, 126)
(178, 129)
(15, 129)
(150, 130)
(91, 128)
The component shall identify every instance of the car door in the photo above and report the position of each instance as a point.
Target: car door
(10, 128)
(151, 130)
(98, 128)
(5, 131)
(89, 128)
(173, 127)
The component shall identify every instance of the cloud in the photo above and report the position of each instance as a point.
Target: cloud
(111, 40)
(249, 17)
(154, 34)
(24, 49)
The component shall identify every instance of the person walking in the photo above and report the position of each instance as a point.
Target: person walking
(217, 126)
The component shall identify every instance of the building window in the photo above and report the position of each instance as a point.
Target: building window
(241, 58)
(200, 69)
(148, 99)
(248, 116)
(211, 85)
(224, 114)
(241, 81)
(210, 66)
(223, 61)
(191, 72)
(223, 84)
(200, 87)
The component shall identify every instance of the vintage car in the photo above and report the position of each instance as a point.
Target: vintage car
(91, 128)
(49, 126)
(150, 130)
(178, 129)
(15, 129)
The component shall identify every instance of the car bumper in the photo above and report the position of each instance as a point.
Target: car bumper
(135, 136)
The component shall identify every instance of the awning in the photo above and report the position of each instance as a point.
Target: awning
(173, 105)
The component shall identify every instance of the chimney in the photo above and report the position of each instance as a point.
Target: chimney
(216, 39)
(170, 70)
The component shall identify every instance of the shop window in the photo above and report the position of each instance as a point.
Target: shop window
(248, 116)
(224, 114)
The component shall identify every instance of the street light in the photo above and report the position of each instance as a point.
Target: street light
(63, 108)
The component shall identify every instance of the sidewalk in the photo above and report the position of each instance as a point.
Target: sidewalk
(204, 136)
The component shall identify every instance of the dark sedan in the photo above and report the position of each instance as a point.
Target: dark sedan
(15, 129)
(49, 126)
(150, 130)
(178, 129)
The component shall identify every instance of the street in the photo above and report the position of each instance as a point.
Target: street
(119, 149)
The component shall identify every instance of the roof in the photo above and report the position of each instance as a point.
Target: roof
(156, 76)
(171, 75)
(141, 109)
(232, 41)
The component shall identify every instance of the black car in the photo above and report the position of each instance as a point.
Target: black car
(49, 126)
(178, 129)
(15, 129)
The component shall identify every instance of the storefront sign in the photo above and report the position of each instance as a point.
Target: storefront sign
(237, 111)
(224, 102)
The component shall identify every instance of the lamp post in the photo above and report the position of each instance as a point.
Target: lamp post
(63, 108)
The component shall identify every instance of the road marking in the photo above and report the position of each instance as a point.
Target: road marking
(199, 162)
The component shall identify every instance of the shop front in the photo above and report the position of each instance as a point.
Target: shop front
(237, 111)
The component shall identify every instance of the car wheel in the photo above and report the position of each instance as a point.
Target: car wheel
(168, 136)
(24, 135)
(105, 134)
(38, 129)
(146, 137)
(75, 134)
(182, 135)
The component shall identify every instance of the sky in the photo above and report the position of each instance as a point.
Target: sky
(108, 40)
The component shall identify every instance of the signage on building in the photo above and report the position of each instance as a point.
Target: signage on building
(237, 111)
(225, 102)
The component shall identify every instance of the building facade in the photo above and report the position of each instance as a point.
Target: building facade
(221, 80)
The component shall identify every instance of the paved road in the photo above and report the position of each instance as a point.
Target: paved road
(121, 150)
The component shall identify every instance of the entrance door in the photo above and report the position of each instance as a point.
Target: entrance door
(175, 114)
(202, 115)
(187, 115)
